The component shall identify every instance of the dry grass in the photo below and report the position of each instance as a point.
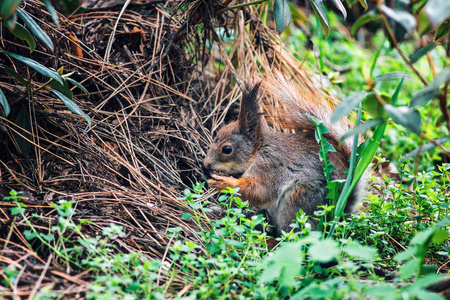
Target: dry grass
(158, 93)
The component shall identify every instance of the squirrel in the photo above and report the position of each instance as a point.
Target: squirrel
(278, 171)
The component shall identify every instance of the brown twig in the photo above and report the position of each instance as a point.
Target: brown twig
(227, 61)
(395, 43)
(41, 277)
(131, 6)
(436, 144)
(442, 97)
(221, 11)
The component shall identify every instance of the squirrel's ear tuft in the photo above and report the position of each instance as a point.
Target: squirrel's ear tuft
(249, 116)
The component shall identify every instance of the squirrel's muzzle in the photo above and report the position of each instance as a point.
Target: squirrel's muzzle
(207, 163)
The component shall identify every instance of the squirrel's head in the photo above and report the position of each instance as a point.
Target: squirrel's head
(235, 144)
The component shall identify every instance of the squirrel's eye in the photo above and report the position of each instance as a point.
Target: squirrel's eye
(227, 149)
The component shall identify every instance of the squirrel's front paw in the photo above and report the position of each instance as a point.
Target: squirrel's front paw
(219, 182)
(220, 177)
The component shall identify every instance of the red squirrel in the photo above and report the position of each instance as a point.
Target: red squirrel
(277, 171)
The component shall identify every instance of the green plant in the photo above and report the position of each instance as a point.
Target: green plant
(58, 83)
(414, 51)
(401, 211)
(54, 239)
(232, 258)
(295, 270)
(233, 247)
(398, 24)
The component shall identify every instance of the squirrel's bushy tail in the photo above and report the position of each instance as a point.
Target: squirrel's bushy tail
(295, 108)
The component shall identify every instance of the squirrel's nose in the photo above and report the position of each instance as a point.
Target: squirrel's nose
(206, 167)
(207, 163)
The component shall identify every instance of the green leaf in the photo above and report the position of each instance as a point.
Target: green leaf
(373, 106)
(63, 88)
(440, 236)
(423, 294)
(368, 153)
(35, 66)
(11, 22)
(346, 106)
(321, 13)
(15, 75)
(364, 252)
(187, 193)
(394, 75)
(381, 291)
(424, 25)
(195, 205)
(8, 8)
(371, 16)
(362, 127)
(405, 116)
(408, 269)
(324, 251)
(186, 216)
(444, 222)
(421, 97)
(421, 52)
(363, 4)
(325, 147)
(22, 33)
(34, 28)
(333, 187)
(405, 255)
(437, 11)
(48, 237)
(394, 97)
(282, 14)
(190, 244)
(284, 265)
(423, 238)
(370, 150)
(4, 103)
(234, 243)
(29, 235)
(72, 106)
(78, 85)
(405, 19)
(17, 211)
(377, 55)
(52, 11)
(425, 147)
(442, 30)
(239, 229)
(442, 77)
(341, 7)
(352, 178)
(24, 123)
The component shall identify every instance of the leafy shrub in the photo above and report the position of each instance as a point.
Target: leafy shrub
(58, 82)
